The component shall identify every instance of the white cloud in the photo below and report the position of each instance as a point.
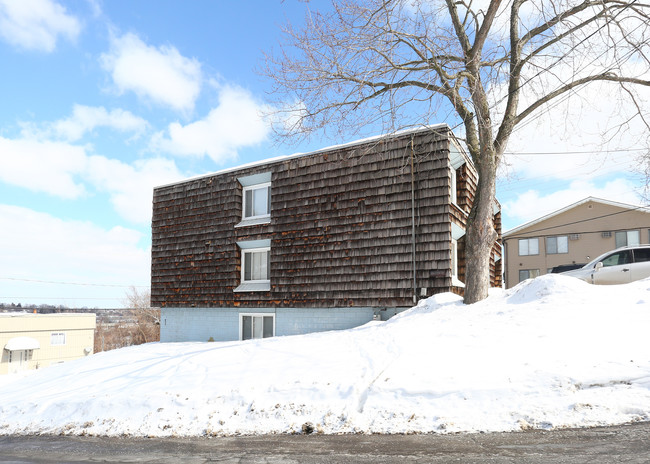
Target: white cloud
(131, 186)
(43, 247)
(235, 123)
(591, 134)
(68, 171)
(533, 204)
(86, 118)
(161, 74)
(49, 167)
(36, 24)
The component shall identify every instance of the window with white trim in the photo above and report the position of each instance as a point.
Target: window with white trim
(557, 245)
(261, 325)
(528, 274)
(454, 258)
(57, 338)
(255, 265)
(454, 187)
(628, 238)
(528, 246)
(257, 201)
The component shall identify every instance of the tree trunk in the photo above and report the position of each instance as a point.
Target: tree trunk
(480, 236)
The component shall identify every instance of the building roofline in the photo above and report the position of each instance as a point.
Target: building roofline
(526, 225)
(320, 150)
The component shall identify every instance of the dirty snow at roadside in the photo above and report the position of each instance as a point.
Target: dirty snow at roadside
(552, 352)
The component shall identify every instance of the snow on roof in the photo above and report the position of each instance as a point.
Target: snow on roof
(22, 343)
(298, 155)
(526, 225)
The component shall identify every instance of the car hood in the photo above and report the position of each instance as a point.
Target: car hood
(579, 273)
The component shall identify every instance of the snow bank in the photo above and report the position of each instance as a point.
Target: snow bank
(552, 352)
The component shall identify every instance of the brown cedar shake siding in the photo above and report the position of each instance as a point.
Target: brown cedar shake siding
(340, 229)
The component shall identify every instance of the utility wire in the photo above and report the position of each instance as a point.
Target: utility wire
(568, 94)
(581, 222)
(56, 298)
(574, 152)
(72, 283)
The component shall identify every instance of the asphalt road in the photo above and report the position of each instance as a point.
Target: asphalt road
(623, 444)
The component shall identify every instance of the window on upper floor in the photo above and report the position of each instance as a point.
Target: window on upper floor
(528, 246)
(454, 185)
(557, 245)
(628, 238)
(255, 266)
(257, 201)
(57, 338)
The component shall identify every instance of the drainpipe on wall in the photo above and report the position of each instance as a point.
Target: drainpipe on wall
(415, 298)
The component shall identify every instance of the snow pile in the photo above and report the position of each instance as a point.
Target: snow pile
(552, 352)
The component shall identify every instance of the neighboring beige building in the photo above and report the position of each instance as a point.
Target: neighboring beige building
(34, 341)
(572, 235)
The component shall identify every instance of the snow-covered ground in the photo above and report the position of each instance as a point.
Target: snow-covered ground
(552, 352)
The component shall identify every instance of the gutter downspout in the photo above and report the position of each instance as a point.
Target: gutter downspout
(415, 298)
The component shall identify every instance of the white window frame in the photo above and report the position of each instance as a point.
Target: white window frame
(557, 245)
(454, 258)
(454, 186)
(243, 265)
(57, 338)
(528, 241)
(254, 315)
(253, 188)
(535, 273)
(628, 235)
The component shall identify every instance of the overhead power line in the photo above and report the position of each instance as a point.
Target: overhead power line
(56, 298)
(575, 152)
(526, 235)
(83, 284)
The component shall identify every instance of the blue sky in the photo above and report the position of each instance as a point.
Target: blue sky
(102, 101)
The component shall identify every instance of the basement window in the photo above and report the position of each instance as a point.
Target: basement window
(256, 326)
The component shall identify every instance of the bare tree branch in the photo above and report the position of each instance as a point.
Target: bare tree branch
(606, 76)
(407, 62)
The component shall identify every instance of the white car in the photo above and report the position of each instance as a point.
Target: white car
(619, 266)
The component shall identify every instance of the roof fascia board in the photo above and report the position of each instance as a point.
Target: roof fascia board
(321, 150)
(534, 222)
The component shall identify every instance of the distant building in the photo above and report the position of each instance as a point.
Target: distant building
(34, 341)
(572, 235)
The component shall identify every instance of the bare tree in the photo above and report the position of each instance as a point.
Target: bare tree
(482, 67)
(146, 320)
(137, 323)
